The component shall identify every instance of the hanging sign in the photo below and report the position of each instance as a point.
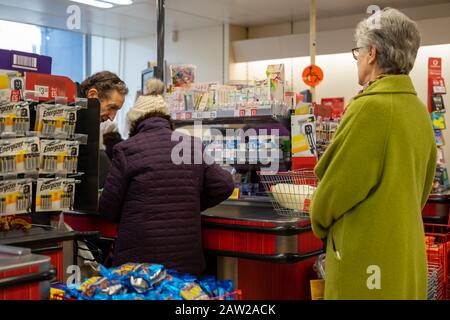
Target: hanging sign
(312, 75)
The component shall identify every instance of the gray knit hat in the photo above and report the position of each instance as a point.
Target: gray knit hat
(147, 104)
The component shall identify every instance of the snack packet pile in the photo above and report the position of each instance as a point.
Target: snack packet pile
(144, 281)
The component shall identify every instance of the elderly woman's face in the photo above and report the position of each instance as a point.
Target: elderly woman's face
(362, 66)
(367, 65)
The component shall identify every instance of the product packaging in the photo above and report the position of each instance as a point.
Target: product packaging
(438, 120)
(56, 121)
(440, 141)
(303, 135)
(14, 118)
(437, 103)
(182, 75)
(15, 197)
(19, 155)
(275, 74)
(59, 156)
(55, 194)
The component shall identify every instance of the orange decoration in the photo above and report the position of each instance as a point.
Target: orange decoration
(312, 75)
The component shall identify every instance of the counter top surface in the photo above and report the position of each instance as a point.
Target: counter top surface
(250, 211)
(35, 234)
(258, 210)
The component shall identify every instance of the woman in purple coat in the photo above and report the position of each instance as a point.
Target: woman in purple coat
(156, 201)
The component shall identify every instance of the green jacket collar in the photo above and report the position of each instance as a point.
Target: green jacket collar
(398, 83)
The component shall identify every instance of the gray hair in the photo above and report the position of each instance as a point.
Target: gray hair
(154, 87)
(104, 82)
(395, 37)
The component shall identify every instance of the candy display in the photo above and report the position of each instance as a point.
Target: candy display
(144, 281)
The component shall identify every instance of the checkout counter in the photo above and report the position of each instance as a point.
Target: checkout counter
(267, 255)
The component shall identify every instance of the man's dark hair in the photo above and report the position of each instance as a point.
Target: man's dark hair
(105, 82)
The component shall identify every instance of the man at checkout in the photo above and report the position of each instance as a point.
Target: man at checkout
(110, 90)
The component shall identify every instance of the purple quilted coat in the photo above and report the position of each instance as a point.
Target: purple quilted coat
(157, 202)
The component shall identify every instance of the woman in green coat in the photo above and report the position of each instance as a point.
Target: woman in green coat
(376, 175)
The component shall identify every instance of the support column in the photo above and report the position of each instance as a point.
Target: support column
(312, 39)
(160, 18)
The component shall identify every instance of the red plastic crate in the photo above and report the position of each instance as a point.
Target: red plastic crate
(438, 255)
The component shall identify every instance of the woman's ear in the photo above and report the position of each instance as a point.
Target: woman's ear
(372, 55)
(92, 93)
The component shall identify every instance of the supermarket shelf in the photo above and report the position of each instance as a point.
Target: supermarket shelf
(236, 120)
(268, 114)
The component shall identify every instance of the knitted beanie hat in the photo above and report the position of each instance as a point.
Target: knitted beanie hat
(147, 104)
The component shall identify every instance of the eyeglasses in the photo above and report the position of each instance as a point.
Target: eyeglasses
(355, 52)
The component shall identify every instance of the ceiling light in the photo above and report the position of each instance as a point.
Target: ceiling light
(121, 2)
(95, 3)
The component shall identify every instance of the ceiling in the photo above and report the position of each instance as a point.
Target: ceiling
(139, 19)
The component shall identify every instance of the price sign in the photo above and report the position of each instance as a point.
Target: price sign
(53, 92)
(178, 117)
(245, 113)
(209, 114)
(15, 95)
(41, 91)
(187, 116)
(196, 115)
(240, 113)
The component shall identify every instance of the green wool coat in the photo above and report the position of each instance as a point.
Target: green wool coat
(375, 179)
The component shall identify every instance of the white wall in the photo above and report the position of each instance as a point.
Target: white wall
(334, 35)
(106, 55)
(340, 76)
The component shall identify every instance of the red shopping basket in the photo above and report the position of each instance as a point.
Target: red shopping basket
(437, 237)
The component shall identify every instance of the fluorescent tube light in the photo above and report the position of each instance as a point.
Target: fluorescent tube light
(121, 2)
(95, 3)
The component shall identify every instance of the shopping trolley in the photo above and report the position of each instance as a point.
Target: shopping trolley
(290, 192)
(438, 256)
